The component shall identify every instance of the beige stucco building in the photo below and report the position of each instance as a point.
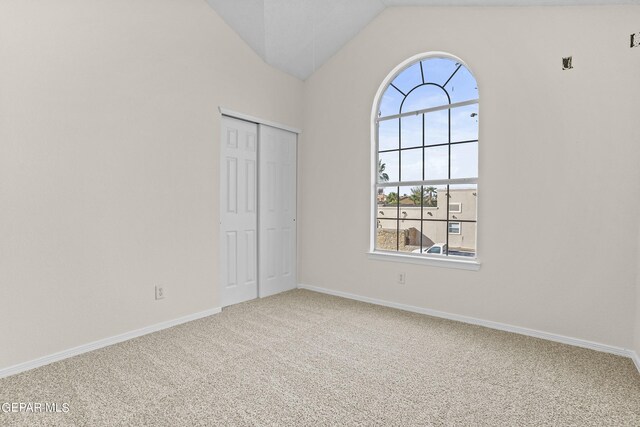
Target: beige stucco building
(399, 225)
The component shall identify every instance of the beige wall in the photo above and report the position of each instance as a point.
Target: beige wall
(637, 322)
(109, 163)
(548, 138)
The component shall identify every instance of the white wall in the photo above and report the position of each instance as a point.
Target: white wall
(109, 162)
(549, 138)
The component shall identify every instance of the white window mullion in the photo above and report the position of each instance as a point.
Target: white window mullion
(429, 110)
(453, 181)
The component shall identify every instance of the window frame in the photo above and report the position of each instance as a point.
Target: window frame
(450, 261)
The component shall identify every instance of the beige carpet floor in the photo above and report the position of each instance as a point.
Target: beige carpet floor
(305, 359)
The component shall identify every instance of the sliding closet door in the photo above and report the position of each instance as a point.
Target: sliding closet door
(277, 213)
(238, 211)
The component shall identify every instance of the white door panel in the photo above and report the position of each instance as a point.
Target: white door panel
(277, 213)
(238, 211)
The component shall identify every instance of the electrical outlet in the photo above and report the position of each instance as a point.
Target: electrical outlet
(567, 63)
(159, 292)
(401, 278)
(635, 39)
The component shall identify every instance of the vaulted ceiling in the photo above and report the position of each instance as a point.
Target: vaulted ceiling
(298, 36)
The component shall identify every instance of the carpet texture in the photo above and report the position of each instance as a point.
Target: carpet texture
(305, 359)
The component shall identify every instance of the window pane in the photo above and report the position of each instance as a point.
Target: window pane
(427, 96)
(388, 134)
(434, 204)
(464, 160)
(464, 196)
(386, 222)
(388, 164)
(387, 202)
(438, 70)
(418, 196)
(390, 102)
(409, 78)
(407, 199)
(409, 203)
(387, 235)
(462, 86)
(409, 235)
(464, 123)
(463, 244)
(411, 161)
(436, 127)
(436, 162)
(434, 237)
(411, 131)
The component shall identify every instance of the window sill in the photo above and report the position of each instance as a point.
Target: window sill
(449, 262)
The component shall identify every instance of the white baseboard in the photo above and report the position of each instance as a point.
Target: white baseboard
(45, 360)
(486, 323)
(636, 359)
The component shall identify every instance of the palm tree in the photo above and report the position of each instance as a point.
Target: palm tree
(392, 198)
(417, 195)
(431, 197)
(382, 176)
(427, 196)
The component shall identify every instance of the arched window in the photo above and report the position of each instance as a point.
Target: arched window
(426, 160)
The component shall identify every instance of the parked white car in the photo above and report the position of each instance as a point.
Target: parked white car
(438, 249)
